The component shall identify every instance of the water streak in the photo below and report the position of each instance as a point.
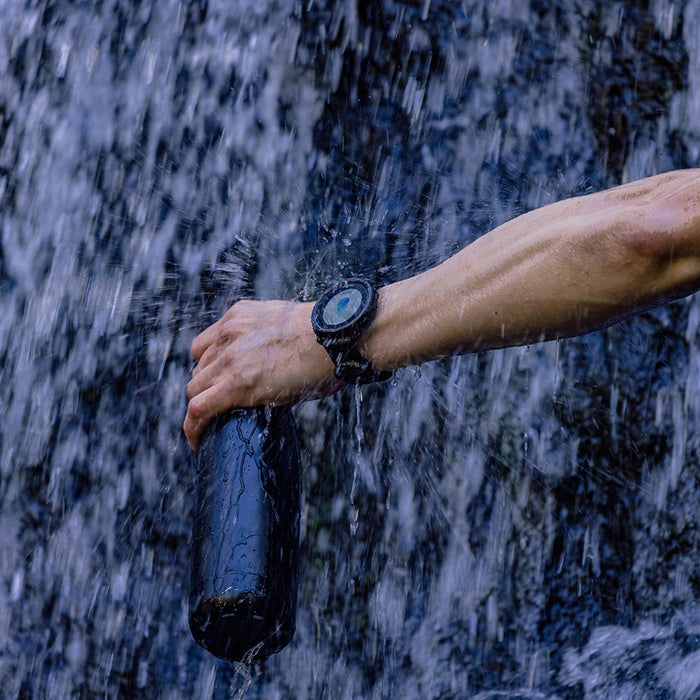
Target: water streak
(520, 523)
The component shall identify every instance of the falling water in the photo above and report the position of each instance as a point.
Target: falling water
(521, 523)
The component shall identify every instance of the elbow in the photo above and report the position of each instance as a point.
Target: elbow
(644, 241)
(660, 240)
(660, 219)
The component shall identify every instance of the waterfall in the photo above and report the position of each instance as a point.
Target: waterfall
(511, 524)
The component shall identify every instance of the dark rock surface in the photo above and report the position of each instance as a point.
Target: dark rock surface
(516, 524)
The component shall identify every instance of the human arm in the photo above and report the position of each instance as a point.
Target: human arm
(565, 269)
(562, 270)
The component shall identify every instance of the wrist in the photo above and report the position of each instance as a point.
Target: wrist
(340, 318)
(405, 328)
(379, 342)
(316, 355)
(318, 377)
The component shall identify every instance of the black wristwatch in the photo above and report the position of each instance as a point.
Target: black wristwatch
(339, 318)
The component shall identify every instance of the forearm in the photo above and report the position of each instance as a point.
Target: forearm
(562, 270)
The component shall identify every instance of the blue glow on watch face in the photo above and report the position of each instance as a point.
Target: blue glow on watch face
(342, 307)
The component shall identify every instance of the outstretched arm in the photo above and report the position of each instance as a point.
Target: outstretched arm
(562, 270)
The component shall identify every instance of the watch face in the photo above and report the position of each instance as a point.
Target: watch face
(342, 307)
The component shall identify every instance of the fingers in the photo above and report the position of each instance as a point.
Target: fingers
(205, 339)
(201, 409)
(200, 382)
(231, 325)
(204, 390)
(258, 353)
(196, 421)
(209, 392)
(222, 379)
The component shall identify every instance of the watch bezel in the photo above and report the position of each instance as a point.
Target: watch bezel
(340, 339)
(350, 330)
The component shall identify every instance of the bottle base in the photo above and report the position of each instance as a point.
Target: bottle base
(237, 628)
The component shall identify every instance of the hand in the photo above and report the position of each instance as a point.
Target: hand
(258, 353)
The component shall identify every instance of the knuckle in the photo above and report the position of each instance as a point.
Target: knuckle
(228, 330)
(246, 375)
(195, 409)
(238, 309)
(244, 305)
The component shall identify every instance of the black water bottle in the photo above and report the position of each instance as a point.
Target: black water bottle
(245, 544)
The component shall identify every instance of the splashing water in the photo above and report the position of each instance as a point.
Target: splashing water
(521, 523)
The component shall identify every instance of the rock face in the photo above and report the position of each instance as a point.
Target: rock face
(521, 523)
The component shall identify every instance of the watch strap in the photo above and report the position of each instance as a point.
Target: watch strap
(340, 344)
(351, 367)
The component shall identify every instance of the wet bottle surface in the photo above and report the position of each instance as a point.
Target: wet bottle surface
(245, 544)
